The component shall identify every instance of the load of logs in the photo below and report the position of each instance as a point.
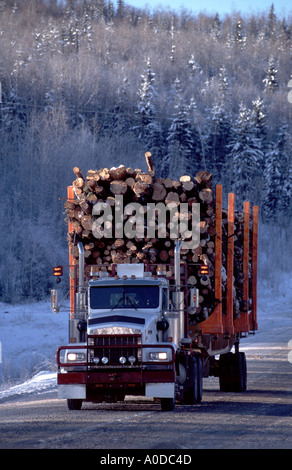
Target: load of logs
(156, 253)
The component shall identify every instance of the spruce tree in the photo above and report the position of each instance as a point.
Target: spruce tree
(271, 27)
(271, 83)
(244, 156)
(148, 128)
(219, 124)
(180, 138)
(145, 107)
(273, 187)
(239, 38)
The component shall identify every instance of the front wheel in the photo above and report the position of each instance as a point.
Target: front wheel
(74, 404)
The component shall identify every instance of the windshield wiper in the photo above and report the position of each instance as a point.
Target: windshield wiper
(128, 298)
(115, 306)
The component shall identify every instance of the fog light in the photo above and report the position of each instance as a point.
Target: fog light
(122, 360)
(104, 360)
(132, 359)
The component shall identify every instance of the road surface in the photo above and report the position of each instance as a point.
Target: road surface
(259, 418)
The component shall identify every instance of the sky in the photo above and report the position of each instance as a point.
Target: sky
(222, 7)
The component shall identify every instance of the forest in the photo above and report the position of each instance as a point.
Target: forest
(94, 84)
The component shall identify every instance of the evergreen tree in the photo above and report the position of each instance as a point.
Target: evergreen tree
(284, 146)
(148, 127)
(219, 130)
(273, 187)
(284, 35)
(244, 157)
(259, 118)
(278, 178)
(239, 37)
(121, 9)
(180, 138)
(271, 28)
(260, 129)
(145, 112)
(194, 67)
(216, 31)
(271, 80)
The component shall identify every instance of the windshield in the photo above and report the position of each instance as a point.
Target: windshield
(115, 297)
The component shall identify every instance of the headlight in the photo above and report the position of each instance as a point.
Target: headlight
(123, 360)
(158, 356)
(79, 357)
(131, 359)
(104, 360)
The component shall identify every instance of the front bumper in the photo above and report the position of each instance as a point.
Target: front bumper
(84, 380)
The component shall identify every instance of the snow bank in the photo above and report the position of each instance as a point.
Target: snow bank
(43, 381)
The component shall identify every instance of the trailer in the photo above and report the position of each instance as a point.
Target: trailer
(130, 331)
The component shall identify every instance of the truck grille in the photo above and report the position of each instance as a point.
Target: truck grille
(113, 348)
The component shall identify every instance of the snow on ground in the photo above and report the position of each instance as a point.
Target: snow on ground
(30, 335)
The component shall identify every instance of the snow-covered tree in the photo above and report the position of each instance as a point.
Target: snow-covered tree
(219, 123)
(239, 38)
(194, 67)
(244, 156)
(216, 31)
(181, 155)
(147, 126)
(273, 190)
(145, 108)
(271, 83)
(259, 118)
(271, 27)
(278, 178)
(218, 138)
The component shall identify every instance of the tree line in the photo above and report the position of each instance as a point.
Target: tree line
(94, 84)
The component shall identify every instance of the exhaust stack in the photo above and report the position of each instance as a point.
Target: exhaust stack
(81, 265)
(178, 295)
(81, 294)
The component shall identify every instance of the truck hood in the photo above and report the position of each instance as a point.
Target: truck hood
(136, 321)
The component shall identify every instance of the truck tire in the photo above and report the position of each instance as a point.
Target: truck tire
(74, 404)
(167, 404)
(225, 374)
(200, 379)
(243, 359)
(193, 394)
(232, 375)
(238, 371)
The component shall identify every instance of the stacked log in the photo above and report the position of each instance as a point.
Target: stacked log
(156, 252)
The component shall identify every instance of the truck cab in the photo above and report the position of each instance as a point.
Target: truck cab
(126, 340)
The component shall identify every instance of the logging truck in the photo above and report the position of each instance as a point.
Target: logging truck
(133, 329)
